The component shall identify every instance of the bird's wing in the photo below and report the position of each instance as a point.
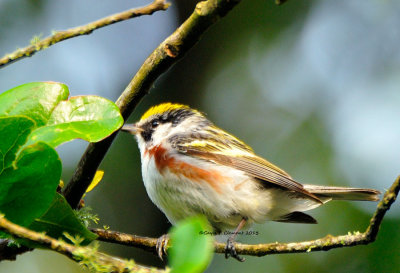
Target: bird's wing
(229, 151)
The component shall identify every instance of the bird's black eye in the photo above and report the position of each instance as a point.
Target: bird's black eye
(155, 123)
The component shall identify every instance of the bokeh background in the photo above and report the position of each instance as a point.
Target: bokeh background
(314, 86)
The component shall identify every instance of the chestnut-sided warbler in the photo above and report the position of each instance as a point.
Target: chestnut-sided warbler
(190, 167)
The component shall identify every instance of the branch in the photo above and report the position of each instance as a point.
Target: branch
(87, 256)
(323, 244)
(81, 30)
(163, 57)
(116, 237)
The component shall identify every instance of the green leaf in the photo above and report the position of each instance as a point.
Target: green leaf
(57, 119)
(91, 118)
(34, 118)
(14, 132)
(27, 188)
(36, 100)
(60, 218)
(191, 251)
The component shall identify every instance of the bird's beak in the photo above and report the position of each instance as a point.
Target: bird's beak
(131, 128)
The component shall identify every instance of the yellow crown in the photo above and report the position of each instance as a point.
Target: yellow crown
(165, 107)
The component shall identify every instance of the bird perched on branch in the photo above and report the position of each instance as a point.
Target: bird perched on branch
(190, 167)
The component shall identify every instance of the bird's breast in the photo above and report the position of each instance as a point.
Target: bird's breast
(183, 186)
(187, 168)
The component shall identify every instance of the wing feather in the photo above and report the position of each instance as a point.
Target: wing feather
(234, 153)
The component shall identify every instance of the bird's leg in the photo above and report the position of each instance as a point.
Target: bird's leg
(230, 248)
(161, 245)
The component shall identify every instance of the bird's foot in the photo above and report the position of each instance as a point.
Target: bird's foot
(230, 251)
(161, 245)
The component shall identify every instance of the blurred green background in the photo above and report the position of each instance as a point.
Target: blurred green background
(313, 86)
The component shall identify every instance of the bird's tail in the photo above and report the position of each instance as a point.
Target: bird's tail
(327, 193)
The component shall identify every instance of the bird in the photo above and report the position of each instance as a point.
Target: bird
(190, 167)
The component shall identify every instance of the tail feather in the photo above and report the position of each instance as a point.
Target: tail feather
(297, 217)
(327, 193)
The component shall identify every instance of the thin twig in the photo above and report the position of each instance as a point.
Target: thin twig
(59, 36)
(109, 236)
(87, 256)
(163, 57)
(326, 243)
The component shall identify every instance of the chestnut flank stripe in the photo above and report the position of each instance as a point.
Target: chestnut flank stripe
(162, 160)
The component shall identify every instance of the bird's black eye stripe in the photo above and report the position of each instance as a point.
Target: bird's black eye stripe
(155, 123)
(176, 116)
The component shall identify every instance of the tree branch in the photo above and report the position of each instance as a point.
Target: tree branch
(87, 256)
(163, 57)
(116, 237)
(326, 243)
(81, 30)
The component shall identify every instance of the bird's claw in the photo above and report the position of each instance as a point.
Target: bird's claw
(161, 246)
(230, 251)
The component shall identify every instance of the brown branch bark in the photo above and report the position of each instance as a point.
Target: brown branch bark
(59, 36)
(326, 243)
(109, 236)
(86, 256)
(163, 57)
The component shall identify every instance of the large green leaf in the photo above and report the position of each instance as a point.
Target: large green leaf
(191, 251)
(14, 132)
(57, 119)
(35, 118)
(60, 218)
(91, 118)
(27, 188)
(36, 100)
